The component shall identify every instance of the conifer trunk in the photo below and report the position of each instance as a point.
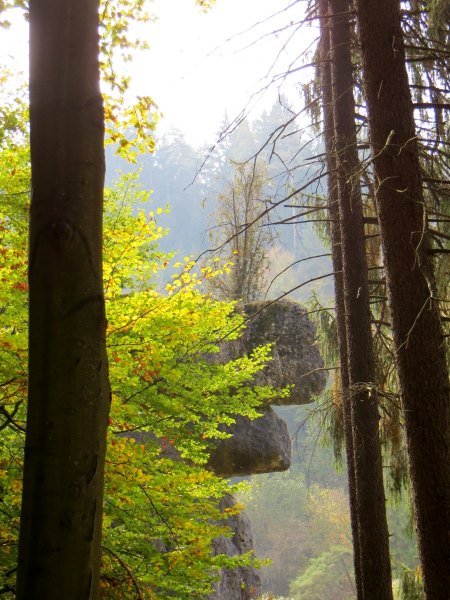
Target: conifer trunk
(418, 337)
(336, 254)
(370, 498)
(60, 536)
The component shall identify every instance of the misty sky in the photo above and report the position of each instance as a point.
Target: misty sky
(196, 74)
(192, 71)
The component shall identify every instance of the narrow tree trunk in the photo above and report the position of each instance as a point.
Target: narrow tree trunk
(336, 253)
(418, 337)
(60, 536)
(371, 509)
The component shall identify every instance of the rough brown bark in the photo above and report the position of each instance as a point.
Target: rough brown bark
(336, 254)
(370, 499)
(60, 536)
(418, 338)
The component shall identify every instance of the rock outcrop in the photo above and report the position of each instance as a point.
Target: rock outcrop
(259, 446)
(242, 583)
(263, 445)
(296, 358)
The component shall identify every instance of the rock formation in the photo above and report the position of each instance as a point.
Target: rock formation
(259, 446)
(264, 445)
(236, 584)
(296, 358)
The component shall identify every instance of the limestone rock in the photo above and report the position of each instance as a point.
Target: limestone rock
(236, 584)
(261, 445)
(296, 357)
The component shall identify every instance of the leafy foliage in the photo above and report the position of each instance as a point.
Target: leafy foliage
(327, 577)
(310, 520)
(14, 186)
(168, 401)
(241, 234)
(410, 585)
(130, 121)
(303, 515)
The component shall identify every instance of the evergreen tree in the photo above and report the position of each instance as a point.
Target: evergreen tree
(343, 382)
(418, 335)
(370, 499)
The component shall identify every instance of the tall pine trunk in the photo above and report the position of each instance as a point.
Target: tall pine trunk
(336, 254)
(418, 337)
(60, 535)
(370, 498)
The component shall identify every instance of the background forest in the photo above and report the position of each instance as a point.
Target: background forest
(335, 196)
(300, 519)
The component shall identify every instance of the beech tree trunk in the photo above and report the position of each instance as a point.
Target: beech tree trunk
(336, 254)
(370, 499)
(418, 338)
(60, 535)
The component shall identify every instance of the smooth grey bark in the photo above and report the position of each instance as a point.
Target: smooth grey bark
(370, 499)
(418, 337)
(68, 403)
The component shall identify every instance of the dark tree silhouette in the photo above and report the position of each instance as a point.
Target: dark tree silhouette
(418, 337)
(336, 253)
(370, 499)
(60, 536)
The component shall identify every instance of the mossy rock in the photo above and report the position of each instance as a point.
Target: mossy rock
(296, 358)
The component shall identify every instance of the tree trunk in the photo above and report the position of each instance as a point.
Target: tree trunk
(418, 337)
(60, 535)
(371, 509)
(336, 254)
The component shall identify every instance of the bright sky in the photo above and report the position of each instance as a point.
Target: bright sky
(191, 71)
(195, 74)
